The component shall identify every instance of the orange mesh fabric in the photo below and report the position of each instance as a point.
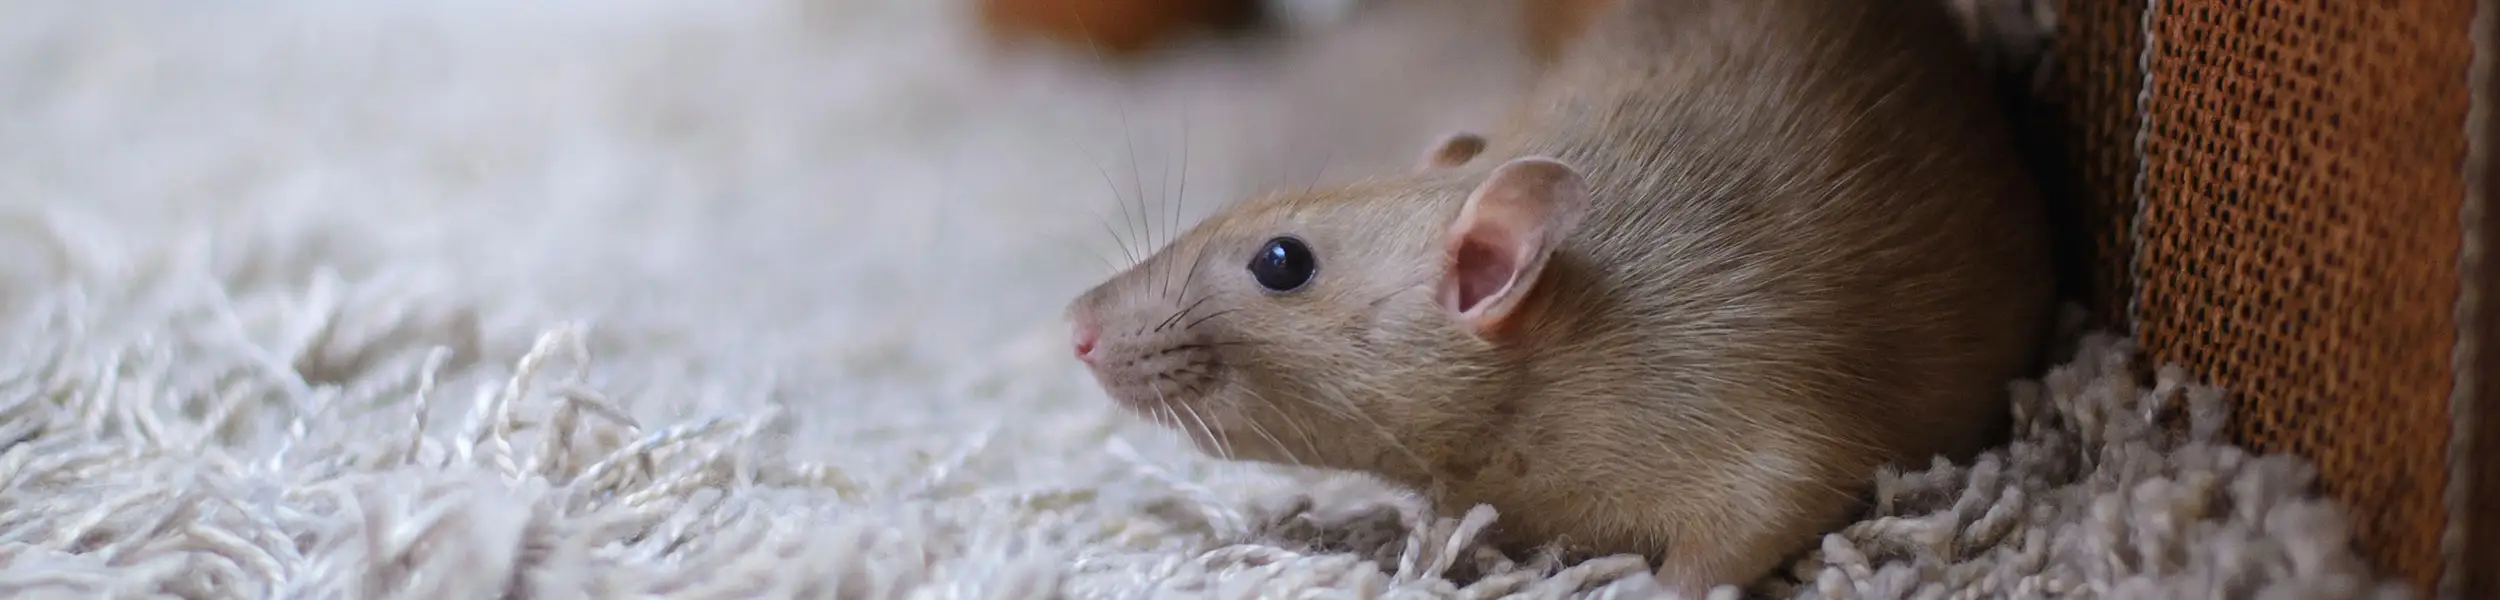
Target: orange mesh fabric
(2299, 239)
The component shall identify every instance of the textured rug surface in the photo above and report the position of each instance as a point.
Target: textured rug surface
(698, 299)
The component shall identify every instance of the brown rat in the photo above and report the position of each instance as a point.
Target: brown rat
(1730, 258)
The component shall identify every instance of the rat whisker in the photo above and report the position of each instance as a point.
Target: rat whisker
(1163, 215)
(1180, 198)
(1224, 443)
(1128, 136)
(1224, 344)
(1194, 324)
(1308, 441)
(1096, 49)
(1107, 264)
(1176, 316)
(1332, 409)
(1223, 440)
(1100, 219)
(1121, 243)
(1320, 174)
(1169, 407)
(1193, 389)
(1375, 303)
(1365, 419)
(1192, 277)
(1170, 419)
(1393, 293)
(1256, 428)
(1220, 450)
(1125, 248)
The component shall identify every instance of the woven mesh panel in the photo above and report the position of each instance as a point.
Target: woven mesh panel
(2299, 239)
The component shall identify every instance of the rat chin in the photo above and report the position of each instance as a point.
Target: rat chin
(1195, 408)
(1150, 398)
(1213, 430)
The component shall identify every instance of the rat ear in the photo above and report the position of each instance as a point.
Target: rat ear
(1452, 150)
(1500, 242)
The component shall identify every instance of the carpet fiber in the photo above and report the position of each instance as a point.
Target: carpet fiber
(690, 299)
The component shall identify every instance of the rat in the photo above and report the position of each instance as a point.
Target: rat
(1726, 261)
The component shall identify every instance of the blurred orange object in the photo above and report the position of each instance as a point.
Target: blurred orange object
(1115, 27)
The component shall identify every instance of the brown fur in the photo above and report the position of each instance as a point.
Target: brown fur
(1810, 252)
(1552, 25)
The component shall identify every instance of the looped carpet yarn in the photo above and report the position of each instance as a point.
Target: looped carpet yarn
(546, 488)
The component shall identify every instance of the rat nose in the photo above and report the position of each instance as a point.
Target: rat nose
(1084, 334)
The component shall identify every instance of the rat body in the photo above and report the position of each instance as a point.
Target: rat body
(1729, 258)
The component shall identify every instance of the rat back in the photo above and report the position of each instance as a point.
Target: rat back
(1811, 250)
(1814, 192)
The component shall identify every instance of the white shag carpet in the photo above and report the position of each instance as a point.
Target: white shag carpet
(758, 299)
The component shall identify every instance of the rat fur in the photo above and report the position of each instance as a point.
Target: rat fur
(1730, 258)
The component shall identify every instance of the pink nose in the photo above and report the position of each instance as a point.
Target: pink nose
(1084, 334)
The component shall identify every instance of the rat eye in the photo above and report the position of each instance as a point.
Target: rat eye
(1283, 265)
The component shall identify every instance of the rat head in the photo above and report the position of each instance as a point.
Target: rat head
(1334, 327)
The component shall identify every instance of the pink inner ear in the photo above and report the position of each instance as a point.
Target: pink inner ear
(1480, 268)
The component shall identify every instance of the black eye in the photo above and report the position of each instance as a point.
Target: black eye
(1283, 265)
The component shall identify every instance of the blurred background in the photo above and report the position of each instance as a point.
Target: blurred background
(812, 163)
(243, 229)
